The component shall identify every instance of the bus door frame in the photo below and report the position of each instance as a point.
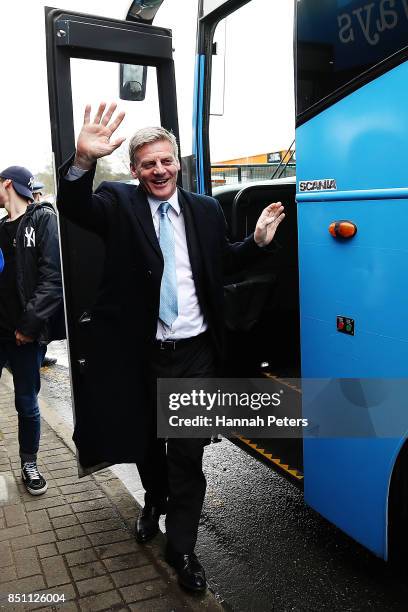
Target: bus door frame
(202, 88)
(76, 35)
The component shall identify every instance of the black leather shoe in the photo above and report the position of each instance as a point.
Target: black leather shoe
(147, 525)
(189, 570)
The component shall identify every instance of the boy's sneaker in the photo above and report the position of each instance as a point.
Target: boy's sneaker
(34, 482)
(48, 362)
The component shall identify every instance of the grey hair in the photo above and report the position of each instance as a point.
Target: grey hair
(148, 135)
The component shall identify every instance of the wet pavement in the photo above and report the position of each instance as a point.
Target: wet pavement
(73, 547)
(262, 547)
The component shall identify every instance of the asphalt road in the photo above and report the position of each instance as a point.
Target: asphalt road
(263, 548)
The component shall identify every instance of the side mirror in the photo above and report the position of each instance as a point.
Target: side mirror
(143, 10)
(132, 82)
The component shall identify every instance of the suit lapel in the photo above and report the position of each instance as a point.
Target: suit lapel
(191, 234)
(194, 246)
(199, 230)
(141, 208)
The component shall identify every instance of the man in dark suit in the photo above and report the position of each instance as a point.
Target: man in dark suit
(161, 302)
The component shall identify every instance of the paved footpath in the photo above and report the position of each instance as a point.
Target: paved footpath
(76, 541)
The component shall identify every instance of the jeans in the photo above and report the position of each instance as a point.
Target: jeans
(25, 362)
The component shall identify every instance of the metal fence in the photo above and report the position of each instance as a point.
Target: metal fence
(225, 174)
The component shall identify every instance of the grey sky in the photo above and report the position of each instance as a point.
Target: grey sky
(24, 100)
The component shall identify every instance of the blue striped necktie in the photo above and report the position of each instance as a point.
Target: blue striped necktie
(168, 289)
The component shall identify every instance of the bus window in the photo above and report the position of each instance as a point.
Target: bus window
(211, 5)
(93, 81)
(339, 40)
(181, 18)
(251, 128)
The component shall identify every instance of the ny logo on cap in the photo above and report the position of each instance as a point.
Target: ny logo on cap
(31, 183)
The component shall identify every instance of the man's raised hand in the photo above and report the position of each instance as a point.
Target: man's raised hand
(267, 223)
(94, 140)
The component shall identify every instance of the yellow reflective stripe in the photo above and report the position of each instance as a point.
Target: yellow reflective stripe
(283, 466)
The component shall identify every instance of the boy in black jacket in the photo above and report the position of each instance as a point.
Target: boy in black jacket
(30, 303)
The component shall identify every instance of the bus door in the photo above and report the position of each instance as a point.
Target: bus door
(352, 129)
(244, 123)
(91, 59)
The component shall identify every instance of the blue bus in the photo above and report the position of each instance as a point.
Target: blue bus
(328, 306)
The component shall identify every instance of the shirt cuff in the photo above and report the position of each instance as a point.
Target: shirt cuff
(74, 173)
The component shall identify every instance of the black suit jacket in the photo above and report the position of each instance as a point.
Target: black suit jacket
(124, 319)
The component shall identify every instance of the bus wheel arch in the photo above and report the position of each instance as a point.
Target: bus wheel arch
(397, 511)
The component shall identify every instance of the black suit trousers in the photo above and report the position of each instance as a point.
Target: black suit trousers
(174, 480)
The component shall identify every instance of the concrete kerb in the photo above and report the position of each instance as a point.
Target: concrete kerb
(127, 507)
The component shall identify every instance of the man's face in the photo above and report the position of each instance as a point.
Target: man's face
(157, 169)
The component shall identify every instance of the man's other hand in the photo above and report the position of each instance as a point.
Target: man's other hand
(94, 140)
(267, 223)
(22, 339)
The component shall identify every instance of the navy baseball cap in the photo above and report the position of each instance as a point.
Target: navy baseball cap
(23, 180)
(38, 187)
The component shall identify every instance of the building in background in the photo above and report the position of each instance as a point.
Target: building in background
(261, 167)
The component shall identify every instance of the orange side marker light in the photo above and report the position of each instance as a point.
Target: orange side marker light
(343, 229)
